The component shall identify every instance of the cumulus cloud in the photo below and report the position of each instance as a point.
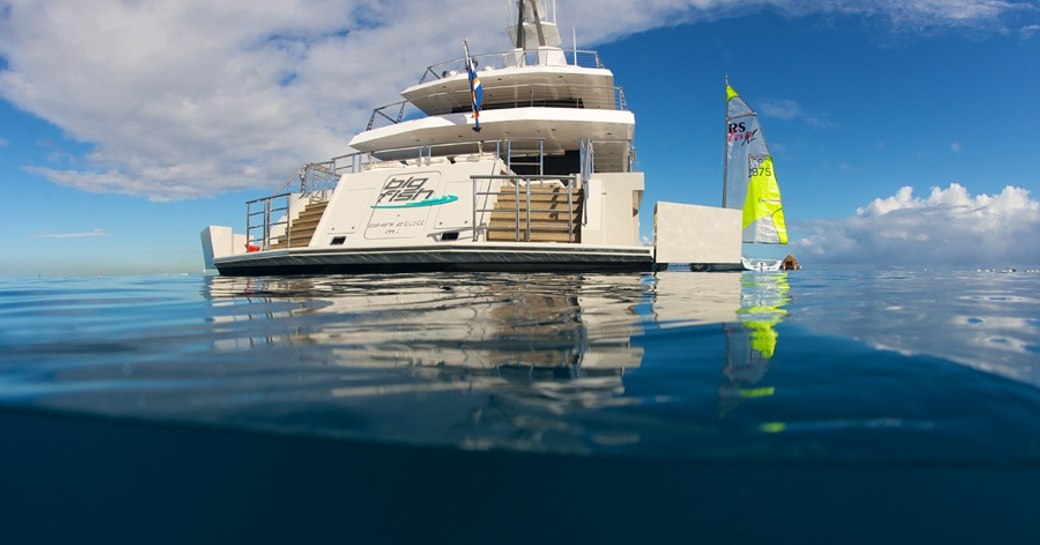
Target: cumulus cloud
(194, 97)
(96, 233)
(783, 108)
(948, 227)
(780, 108)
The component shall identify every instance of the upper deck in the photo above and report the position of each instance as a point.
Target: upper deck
(544, 77)
(537, 91)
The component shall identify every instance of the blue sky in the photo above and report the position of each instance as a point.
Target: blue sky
(902, 132)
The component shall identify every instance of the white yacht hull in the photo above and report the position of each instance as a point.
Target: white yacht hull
(548, 183)
(767, 265)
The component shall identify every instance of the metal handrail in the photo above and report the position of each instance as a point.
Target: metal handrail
(479, 224)
(508, 150)
(266, 225)
(504, 148)
(307, 176)
(513, 58)
(539, 93)
(311, 176)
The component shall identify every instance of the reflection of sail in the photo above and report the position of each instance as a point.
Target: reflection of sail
(747, 306)
(751, 344)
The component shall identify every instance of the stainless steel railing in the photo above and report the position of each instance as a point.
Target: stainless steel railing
(594, 97)
(258, 218)
(486, 191)
(513, 58)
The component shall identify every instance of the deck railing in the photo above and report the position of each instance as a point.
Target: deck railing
(260, 229)
(268, 218)
(316, 177)
(512, 151)
(514, 58)
(486, 191)
(519, 96)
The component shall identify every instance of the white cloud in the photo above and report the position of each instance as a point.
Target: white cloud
(780, 108)
(949, 227)
(955, 147)
(783, 108)
(194, 97)
(96, 233)
(920, 14)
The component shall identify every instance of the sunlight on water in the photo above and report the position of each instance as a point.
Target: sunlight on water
(809, 365)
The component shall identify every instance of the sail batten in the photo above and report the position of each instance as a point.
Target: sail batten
(750, 179)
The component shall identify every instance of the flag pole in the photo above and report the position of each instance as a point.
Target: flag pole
(476, 92)
(725, 145)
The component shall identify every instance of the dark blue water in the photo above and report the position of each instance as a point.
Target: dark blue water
(809, 407)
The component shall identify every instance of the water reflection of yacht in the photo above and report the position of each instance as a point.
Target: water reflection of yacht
(485, 332)
(580, 324)
(520, 361)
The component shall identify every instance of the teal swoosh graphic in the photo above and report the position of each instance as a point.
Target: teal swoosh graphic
(428, 202)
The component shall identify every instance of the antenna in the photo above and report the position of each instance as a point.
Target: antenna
(537, 23)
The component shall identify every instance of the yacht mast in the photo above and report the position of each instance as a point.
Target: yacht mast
(725, 145)
(520, 24)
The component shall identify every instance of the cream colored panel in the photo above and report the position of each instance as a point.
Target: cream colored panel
(688, 233)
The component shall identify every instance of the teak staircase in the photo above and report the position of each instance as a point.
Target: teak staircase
(302, 228)
(551, 218)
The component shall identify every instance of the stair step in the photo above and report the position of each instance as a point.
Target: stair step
(505, 236)
(506, 228)
(302, 229)
(313, 212)
(535, 207)
(303, 225)
(554, 217)
(510, 206)
(547, 219)
(561, 197)
(535, 215)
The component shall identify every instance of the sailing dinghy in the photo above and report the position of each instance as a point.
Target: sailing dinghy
(750, 181)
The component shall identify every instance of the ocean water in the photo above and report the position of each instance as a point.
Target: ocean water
(831, 406)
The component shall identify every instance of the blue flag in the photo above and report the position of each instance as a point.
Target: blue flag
(476, 92)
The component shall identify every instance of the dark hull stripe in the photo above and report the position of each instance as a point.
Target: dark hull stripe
(258, 269)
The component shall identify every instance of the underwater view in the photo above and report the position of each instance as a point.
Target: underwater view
(813, 406)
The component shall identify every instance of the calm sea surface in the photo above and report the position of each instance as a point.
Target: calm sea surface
(813, 406)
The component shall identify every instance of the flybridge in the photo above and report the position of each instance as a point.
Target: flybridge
(563, 81)
(514, 58)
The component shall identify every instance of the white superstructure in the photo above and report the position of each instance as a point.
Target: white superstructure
(546, 184)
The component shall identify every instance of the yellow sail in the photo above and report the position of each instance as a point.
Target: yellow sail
(762, 205)
(750, 180)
